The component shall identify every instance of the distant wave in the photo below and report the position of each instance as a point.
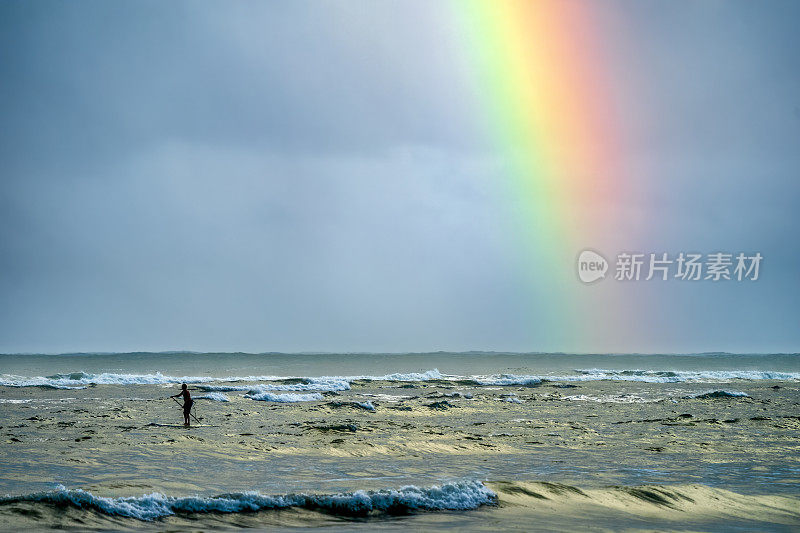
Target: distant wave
(285, 398)
(428, 375)
(80, 380)
(700, 376)
(450, 496)
(333, 384)
(507, 379)
(645, 376)
(261, 384)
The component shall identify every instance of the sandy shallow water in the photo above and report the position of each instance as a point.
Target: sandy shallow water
(550, 455)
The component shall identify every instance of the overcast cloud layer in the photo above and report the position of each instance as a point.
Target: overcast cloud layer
(295, 177)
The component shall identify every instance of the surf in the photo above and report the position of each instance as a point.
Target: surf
(257, 384)
(520, 505)
(456, 496)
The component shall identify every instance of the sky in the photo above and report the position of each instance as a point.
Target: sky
(319, 176)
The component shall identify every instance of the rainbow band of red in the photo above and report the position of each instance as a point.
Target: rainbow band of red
(542, 79)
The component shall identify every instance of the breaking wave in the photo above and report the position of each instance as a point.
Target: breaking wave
(462, 495)
(645, 376)
(428, 375)
(284, 398)
(507, 379)
(304, 384)
(666, 376)
(80, 380)
(214, 396)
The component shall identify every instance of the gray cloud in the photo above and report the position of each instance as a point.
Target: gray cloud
(264, 176)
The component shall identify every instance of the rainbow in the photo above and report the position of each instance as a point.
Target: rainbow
(540, 72)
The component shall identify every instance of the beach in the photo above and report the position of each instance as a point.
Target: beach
(468, 441)
(367, 266)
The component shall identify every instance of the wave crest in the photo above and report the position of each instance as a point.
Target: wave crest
(261, 384)
(462, 495)
(285, 398)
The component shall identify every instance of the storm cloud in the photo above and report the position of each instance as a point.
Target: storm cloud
(265, 176)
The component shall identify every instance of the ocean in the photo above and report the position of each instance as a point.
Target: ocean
(474, 441)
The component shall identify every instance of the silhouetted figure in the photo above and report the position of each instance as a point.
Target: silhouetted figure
(187, 403)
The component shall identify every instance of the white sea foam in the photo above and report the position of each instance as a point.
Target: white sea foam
(226, 388)
(610, 398)
(645, 376)
(47, 400)
(667, 376)
(391, 398)
(428, 375)
(284, 398)
(214, 396)
(450, 496)
(507, 379)
(714, 394)
(366, 405)
(10, 380)
(309, 384)
(80, 380)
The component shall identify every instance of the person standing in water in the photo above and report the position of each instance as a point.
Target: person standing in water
(187, 403)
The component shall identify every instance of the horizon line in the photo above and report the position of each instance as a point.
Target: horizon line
(363, 352)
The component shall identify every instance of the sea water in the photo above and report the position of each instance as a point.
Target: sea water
(94, 439)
